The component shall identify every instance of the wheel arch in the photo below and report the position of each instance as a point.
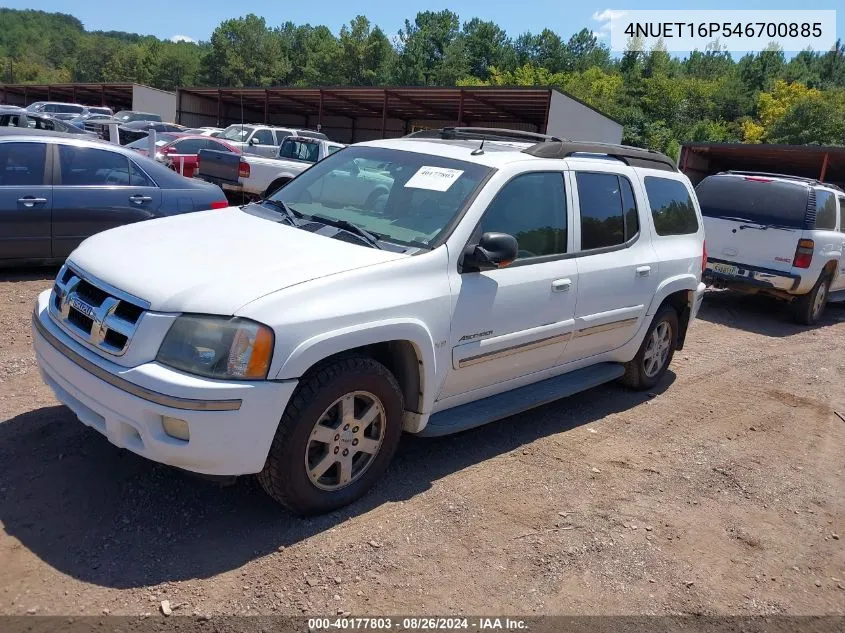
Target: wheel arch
(678, 292)
(276, 183)
(405, 348)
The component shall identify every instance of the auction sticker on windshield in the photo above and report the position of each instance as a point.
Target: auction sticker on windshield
(434, 178)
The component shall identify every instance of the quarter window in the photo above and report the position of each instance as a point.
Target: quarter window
(532, 208)
(671, 206)
(137, 178)
(825, 210)
(85, 166)
(22, 164)
(608, 210)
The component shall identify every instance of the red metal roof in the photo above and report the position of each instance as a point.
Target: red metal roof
(529, 104)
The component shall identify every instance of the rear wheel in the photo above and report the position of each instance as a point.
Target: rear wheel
(656, 352)
(336, 436)
(808, 308)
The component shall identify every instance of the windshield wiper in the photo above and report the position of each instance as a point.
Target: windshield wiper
(291, 215)
(347, 226)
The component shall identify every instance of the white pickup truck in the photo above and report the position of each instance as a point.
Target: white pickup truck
(297, 337)
(258, 177)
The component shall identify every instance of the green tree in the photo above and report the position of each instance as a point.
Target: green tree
(244, 52)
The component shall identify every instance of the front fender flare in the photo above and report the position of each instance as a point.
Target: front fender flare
(313, 350)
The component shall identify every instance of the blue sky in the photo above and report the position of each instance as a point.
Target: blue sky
(166, 18)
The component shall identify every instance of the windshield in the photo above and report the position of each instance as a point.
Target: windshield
(401, 196)
(753, 199)
(237, 132)
(144, 142)
(300, 150)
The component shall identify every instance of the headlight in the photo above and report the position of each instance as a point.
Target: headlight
(218, 347)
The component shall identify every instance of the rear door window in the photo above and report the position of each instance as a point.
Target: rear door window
(264, 137)
(825, 211)
(607, 209)
(671, 206)
(755, 199)
(85, 166)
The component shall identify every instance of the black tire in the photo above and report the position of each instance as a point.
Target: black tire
(274, 186)
(637, 374)
(804, 309)
(285, 476)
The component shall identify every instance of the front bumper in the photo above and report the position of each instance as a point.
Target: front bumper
(231, 423)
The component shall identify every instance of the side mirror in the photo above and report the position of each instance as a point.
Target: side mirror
(494, 250)
(253, 141)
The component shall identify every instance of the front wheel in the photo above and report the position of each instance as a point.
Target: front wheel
(336, 437)
(808, 308)
(656, 352)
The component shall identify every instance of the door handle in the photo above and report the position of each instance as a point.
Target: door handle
(561, 285)
(31, 201)
(139, 199)
(643, 271)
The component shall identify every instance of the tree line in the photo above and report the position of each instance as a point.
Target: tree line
(663, 101)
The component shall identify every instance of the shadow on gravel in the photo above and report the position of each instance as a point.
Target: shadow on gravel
(760, 314)
(108, 517)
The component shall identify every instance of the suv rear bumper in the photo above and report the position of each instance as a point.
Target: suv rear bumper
(231, 423)
(755, 276)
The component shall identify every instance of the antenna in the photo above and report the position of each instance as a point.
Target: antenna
(479, 150)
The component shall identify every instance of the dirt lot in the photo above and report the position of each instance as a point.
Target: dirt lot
(723, 492)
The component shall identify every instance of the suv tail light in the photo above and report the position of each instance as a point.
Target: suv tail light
(243, 170)
(803, 254)
(703, 257)
(219, 204)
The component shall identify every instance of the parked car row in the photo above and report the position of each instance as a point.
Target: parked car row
(67, 111)
(56, 190)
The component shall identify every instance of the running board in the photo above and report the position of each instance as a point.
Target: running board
(836, 297)
(503, 405)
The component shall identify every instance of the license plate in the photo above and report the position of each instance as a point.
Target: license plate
(725, 269)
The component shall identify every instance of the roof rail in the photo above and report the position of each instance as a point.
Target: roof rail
(633, 156)
(483, 133)
(809, 181)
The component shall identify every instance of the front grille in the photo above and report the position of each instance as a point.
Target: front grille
(94, 312)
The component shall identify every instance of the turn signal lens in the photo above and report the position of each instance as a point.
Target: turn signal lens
(176, 428)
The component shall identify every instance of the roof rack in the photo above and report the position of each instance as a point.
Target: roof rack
(633, 156)
(483, 133)
(809, 181)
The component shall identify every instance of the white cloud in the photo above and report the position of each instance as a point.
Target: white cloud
(607, 15)
(182, 38)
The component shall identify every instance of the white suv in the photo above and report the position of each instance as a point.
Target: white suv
(776, 234)
(297, 337)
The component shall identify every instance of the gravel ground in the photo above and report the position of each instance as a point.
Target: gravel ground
(723, 492)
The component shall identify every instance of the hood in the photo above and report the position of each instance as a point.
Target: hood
(215, 261)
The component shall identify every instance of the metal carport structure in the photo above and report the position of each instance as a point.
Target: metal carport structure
(361, 113)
